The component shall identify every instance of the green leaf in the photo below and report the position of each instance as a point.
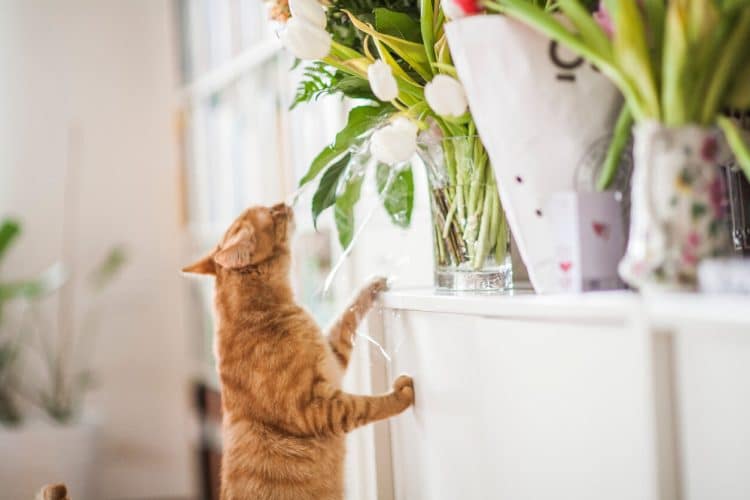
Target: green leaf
(9, 231)
(108, 268)
(49, 281)
(737, 142)
(344, 209)
(739, 96)
(397, 24)
(319, 79)
(361, 121)
(412, 53)
(325, 195)
(589, 31)
(397, 192)
(425, 25)
(655, 14)
(674, 84)
(725, 69)
(632, 54)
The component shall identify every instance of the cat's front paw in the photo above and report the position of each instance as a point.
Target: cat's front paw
(377, 285)
(403, 388)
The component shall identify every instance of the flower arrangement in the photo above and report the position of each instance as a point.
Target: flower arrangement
(393, 57)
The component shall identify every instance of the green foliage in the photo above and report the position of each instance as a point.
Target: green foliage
(9, 412)
(325, 195)
(108, 268)
(344, 207)
(359, 125)
(620, 140)
(341, 27)
(62, 397)
(319, 79)
(10, 229)
(396, 189)
(397, 24)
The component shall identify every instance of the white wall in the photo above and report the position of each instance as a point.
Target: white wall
(102, 73)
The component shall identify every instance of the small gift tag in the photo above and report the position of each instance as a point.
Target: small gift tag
(588, 240)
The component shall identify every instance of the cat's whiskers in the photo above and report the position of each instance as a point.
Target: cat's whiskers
(292, 199)
(347, 251)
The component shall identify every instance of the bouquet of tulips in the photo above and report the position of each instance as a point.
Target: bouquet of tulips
(392, 57)
(679, 62)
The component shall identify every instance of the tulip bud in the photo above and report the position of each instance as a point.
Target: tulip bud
(394, 143)
(456, 9)
(305, 40)
(446, 96)
(604, 20)
(382, 82)
(309, 10)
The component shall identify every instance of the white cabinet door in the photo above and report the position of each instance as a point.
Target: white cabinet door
(713, 412)
(513, 409)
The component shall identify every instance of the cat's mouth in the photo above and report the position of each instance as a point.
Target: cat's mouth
(287, 212)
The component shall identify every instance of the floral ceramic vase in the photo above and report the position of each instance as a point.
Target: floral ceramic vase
(677, 205)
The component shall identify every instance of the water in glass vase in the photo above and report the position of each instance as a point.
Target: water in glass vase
(471, 238)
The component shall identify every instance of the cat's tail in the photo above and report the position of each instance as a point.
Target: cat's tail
(53, 492)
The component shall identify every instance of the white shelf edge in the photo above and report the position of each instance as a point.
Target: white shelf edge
(667, 311)
(219, 78)
(616, 306)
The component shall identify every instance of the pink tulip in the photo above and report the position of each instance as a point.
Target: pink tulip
(603, 19)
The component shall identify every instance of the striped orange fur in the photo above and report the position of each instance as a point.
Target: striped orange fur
(285, 415)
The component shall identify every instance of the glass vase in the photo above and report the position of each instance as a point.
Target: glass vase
(471, 238)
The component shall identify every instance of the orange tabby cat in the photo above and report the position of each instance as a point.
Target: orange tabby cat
(285, 415)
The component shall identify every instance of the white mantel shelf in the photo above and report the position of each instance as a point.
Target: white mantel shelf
(662, 310)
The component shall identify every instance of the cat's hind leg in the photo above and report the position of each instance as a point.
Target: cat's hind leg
(341, 334)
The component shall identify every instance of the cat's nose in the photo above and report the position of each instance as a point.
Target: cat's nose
(282, 208)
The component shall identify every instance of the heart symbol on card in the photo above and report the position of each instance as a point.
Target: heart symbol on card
(566, 265)
(601, 229)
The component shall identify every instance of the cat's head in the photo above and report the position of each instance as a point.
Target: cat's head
(258, 239)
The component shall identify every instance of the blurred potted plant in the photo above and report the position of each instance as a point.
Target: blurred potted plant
(392, 56)
(41, 414)
(678, 64)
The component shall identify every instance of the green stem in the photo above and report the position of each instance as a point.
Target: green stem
(501, 248)
(495, 220)
(620, 139)
(484, 227)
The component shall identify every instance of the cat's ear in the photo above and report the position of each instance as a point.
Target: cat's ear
(204, 266)
(239, 251)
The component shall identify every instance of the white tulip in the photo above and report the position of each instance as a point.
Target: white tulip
(309, 10)
(382, 82)
(395, 142)
(446, 96)
(305, 40)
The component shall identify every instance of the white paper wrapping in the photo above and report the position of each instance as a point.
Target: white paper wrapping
(539, 109)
